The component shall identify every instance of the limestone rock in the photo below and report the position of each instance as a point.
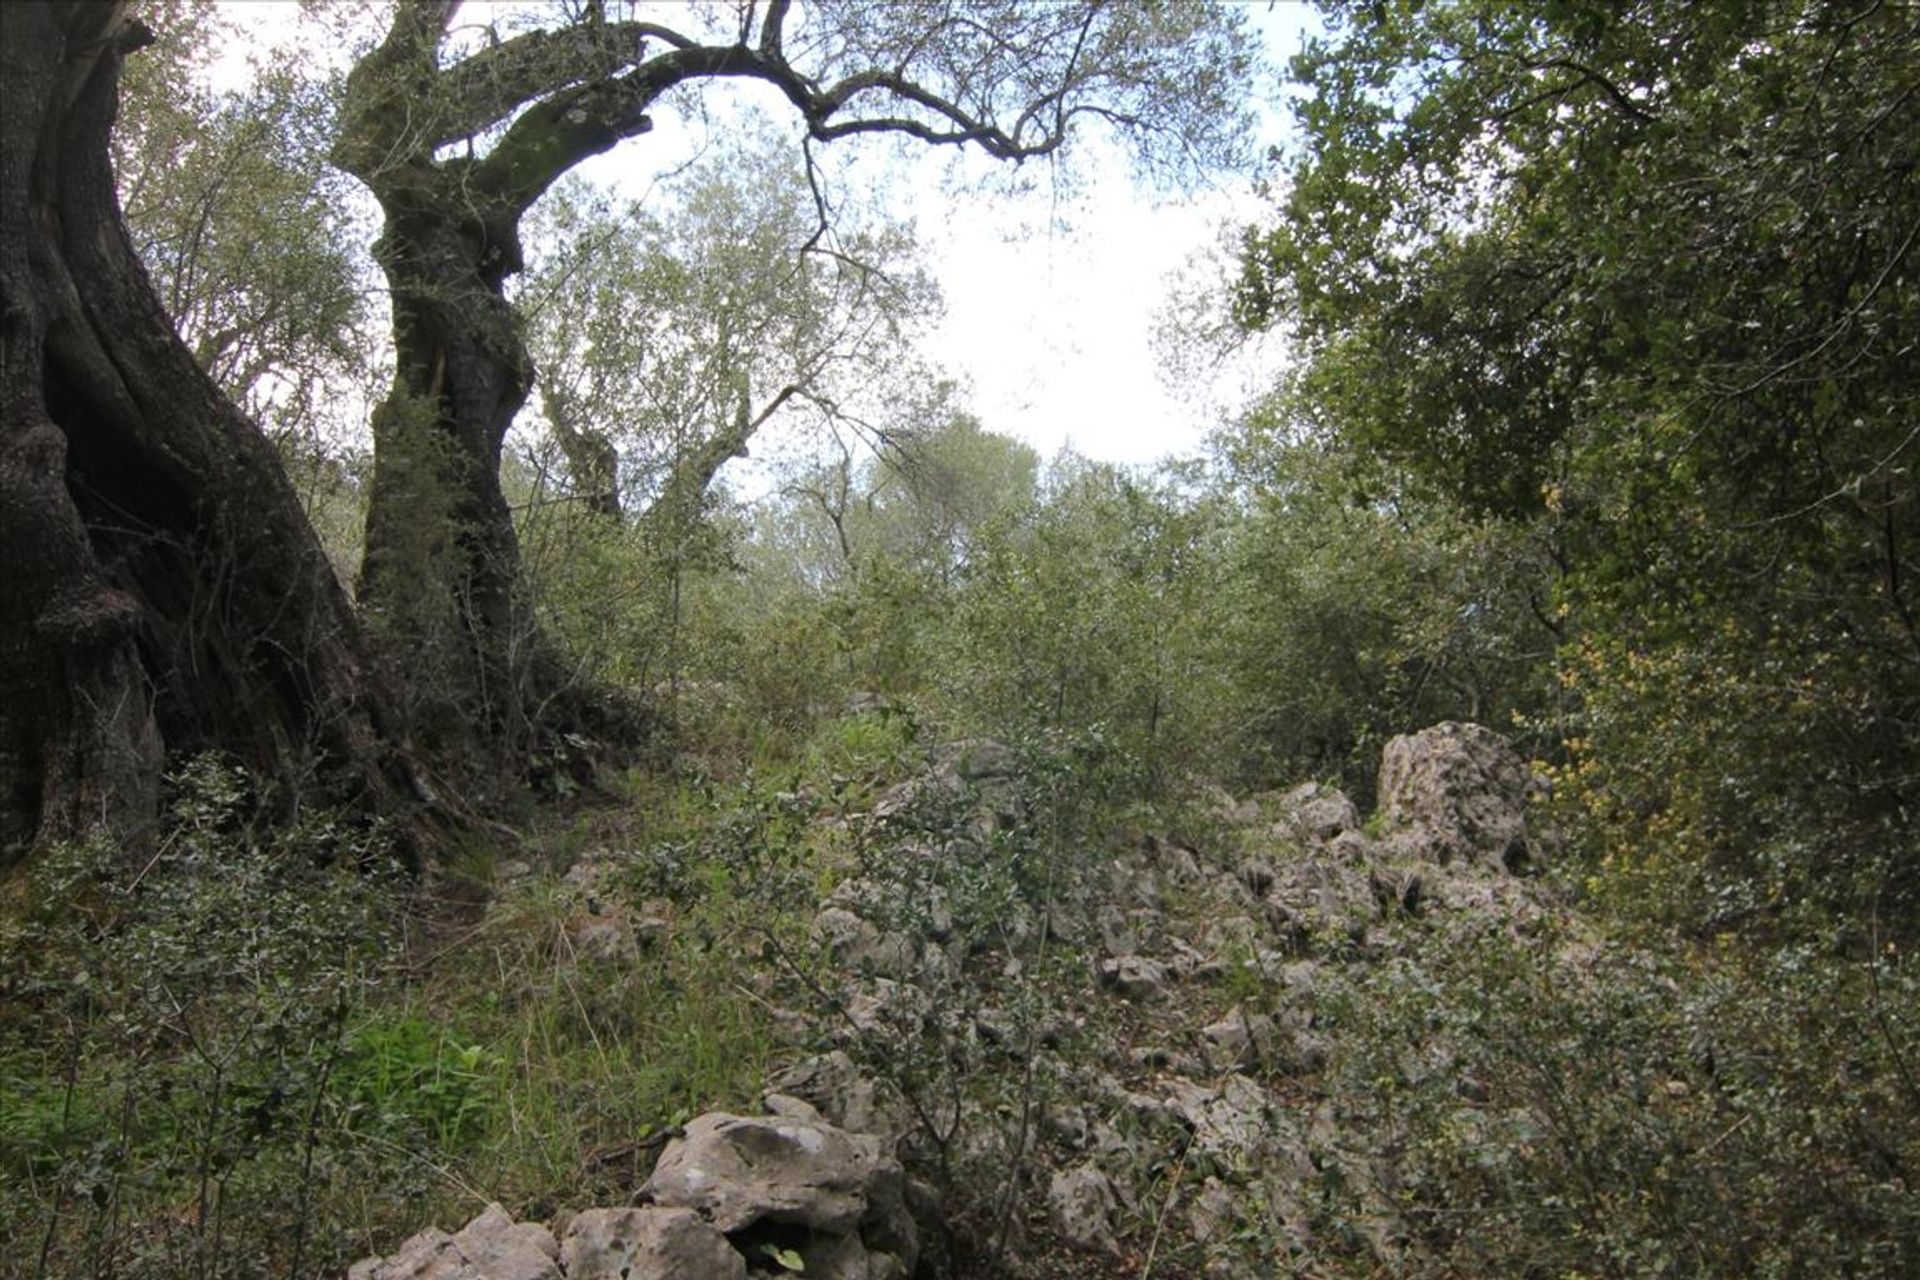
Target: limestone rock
(1081, 1204)
(1240, 1039)
(859, 944)
(1317, 813)
(1212, 1213)
(844, 1094)
(1233, 1122)
(491, 1247)
(741, 1172)
(1462, 792)
(647, 1244)
(1134, 977)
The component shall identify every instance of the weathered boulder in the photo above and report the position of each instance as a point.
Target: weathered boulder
(491, 1247)
(859, 944)
(1316, 813)
(1134, 977)
(742, 1173)
(1460, 793)
(1231, 1123)
(647, 1244)
(1241, 1039)
(1081, 1205)
(844, 1094)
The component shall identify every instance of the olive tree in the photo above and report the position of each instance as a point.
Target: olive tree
(458, 136)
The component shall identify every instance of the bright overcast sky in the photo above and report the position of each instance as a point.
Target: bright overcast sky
(1051, 301)
(1054, 327)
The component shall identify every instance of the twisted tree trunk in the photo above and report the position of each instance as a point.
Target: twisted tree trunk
(161, 590)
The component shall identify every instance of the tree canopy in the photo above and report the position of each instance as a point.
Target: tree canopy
(1646, 273)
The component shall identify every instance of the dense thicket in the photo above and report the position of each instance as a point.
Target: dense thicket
(1642, 278)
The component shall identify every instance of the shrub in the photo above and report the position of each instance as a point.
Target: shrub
(1579, 1110)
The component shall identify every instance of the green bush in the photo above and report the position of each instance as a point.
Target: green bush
(1613, 1112)
(173, 1032)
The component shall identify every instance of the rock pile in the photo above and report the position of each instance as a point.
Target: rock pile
(810, 1197)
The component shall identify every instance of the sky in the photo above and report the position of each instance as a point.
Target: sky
(1052, 300)
(1055, 328)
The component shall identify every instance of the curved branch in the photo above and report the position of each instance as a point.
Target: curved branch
(486, 88)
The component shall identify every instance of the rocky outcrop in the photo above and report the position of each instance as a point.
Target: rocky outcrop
(639, 1244)
(730, 1190)
(1138, 1053)
(1457, 793)
(750, 1174)
(491, 1247)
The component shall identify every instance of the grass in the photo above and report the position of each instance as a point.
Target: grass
(235, 1062)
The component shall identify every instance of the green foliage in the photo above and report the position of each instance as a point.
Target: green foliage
(1094, 611)
(1360, 606)
(1561, 1107)
(173, 1031)
(248, 233)
(671, 333)
(1641, 274)
(410, 1075)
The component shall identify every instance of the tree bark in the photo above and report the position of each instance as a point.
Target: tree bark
(161, 590)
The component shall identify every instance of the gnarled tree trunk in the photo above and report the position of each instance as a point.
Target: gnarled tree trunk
(161, 589)
(456, 146)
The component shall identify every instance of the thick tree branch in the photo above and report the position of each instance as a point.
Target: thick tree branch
(773, 30)
(556, 134)
(493, 84)
(389, 90)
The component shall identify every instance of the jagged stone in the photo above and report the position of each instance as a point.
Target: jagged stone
(738, 1172)
(1132, 883)
(1081, 1205)
(1353, 847)
(1321, 898)
(1462, 792)
(647, 1244)
(491, 1247)
(1117, 934)
(859, 944)
(1135, 977)
(1176, 860)
(1212, 1214)
(1241, 1039)
(1233, 1121)
(1318, 813)
(790, 1107)
(1230, 894)
(880, 1006)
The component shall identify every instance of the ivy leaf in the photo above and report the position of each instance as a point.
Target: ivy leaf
(787, 1258)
